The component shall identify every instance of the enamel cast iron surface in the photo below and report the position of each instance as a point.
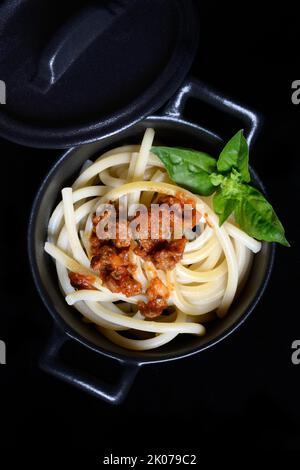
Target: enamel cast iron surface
(171, 129)
(83, 71)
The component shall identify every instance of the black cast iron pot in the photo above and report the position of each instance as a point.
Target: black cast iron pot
(174, 130)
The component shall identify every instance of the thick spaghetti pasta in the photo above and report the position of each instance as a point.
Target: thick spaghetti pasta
(138, 298)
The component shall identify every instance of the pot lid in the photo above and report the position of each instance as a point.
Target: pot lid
(76, 73)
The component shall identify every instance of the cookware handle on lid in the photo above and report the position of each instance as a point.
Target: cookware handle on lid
(194, 88)
(51, 362)
(73, 38)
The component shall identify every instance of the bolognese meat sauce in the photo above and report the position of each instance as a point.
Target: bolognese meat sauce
(81, 281)
(164, 253)
(158, 295)
(110, 258)
(115, 270)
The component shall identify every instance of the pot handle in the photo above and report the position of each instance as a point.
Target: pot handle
(74, 37)
(194, 88)
(52, 364)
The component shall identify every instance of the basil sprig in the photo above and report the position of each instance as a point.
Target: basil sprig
(228, 179)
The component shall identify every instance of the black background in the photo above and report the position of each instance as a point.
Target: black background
(244, 393)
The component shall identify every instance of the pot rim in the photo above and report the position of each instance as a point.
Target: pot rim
(69, 331)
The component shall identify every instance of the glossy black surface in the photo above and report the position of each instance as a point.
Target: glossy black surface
(74, 38)
(169, 127)
(238, 401)
(84, 70)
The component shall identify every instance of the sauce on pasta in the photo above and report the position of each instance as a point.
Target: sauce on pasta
(161, 284)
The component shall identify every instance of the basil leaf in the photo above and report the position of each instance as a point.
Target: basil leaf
(224, 204)
(235, 154)
(188, 168)
(256, 216)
